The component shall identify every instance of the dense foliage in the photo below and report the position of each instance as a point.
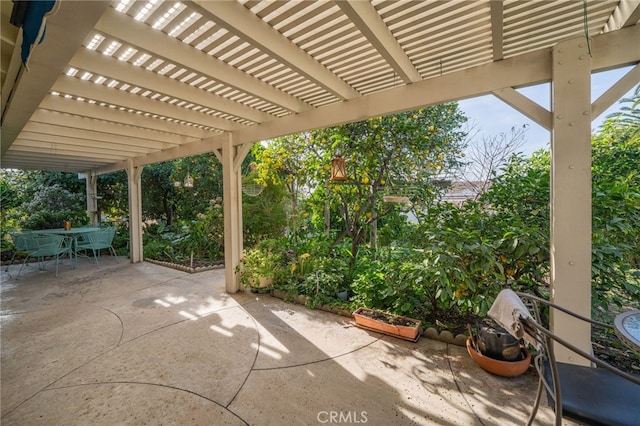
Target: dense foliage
(616, 213)
(452, 259)
(39, 200)
(52, 206)
(384, 155)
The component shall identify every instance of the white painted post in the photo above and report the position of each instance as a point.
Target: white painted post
(232, 202)
(134, 173)
(571, 194)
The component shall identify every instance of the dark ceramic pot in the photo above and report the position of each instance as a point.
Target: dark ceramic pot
(495, 342)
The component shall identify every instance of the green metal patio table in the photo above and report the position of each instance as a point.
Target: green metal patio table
(71, 236)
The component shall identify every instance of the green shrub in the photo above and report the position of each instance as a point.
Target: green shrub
(158, 249)
(51, 206)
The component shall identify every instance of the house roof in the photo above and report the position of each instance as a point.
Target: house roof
(122, 82)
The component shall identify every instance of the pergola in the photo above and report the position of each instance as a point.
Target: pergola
(117, 85)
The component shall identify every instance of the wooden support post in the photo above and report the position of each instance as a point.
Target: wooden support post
(134, 174)
(571, 194)
(232, 201)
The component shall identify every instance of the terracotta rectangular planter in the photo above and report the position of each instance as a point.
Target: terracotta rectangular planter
(386, 323)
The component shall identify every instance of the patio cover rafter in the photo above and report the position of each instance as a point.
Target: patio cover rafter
(367, 20)
(124, 72)
(142, 36)
(627, 13)
(128, 101)
(161, 140)
(245, 25)
(96, 138)
(92, 111)
(497, 29)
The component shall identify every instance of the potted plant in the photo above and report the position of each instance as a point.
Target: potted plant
(257, 269)
(496, 351)
(497, 366)
(386, 323)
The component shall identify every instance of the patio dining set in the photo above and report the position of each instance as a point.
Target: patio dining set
(54, 244)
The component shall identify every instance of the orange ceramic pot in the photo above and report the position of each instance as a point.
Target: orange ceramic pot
(499, 367)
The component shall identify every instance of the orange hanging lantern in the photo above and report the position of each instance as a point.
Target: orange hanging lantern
(338, 169)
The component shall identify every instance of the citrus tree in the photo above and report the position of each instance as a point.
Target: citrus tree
(385, 155)
(285, 163)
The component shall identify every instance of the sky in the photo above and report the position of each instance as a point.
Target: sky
(491, 116)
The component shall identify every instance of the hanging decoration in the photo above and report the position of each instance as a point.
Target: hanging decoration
(252, 189)
(188, 181)
(338, 169)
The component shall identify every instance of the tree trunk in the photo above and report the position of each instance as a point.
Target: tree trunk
(355, 246)
(374, 231)
(327, 212)
(294, 223)
(168, 210)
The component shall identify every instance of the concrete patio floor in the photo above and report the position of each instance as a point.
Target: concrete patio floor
(145, 344)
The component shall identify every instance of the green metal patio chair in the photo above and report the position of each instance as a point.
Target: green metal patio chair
(97, 241)
(20, 245)
(44, 246)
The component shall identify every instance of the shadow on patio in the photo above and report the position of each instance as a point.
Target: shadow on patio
(143, 344)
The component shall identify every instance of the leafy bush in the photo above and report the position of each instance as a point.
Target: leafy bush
(158, 249)
(263, 216)
(204, 237)
(326, 279)
(51, 206)
(199, 239)
(616, 214)
(121, 240)
(369, 287)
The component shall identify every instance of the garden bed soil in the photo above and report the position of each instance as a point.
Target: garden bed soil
(190, 266)
(609, 349)
(387, 318)
(386, 323)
